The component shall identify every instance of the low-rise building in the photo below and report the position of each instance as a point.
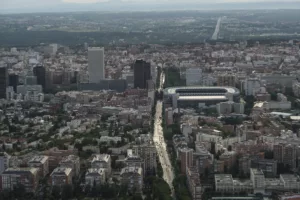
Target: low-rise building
(224, 183)
(290, 182)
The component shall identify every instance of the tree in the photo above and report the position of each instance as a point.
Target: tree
(5, 194)
(108, 191)
(67, 192)
(229, 148)
(269, 154)
(168, 134)
(19, 191)
(56, 192)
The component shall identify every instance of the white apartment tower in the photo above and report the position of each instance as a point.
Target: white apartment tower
(251, 86)
(4, 161)
(193, 76)
(96, 64)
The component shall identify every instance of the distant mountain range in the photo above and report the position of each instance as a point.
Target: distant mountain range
(114, 6)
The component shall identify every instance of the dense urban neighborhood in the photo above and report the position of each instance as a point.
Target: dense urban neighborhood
(216, 120)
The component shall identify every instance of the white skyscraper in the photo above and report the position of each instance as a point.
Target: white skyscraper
(96, 64)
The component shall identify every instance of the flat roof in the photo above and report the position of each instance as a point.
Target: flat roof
(224, 178)
(172, 90)
(281, 113)
(202, 98)
(95, 48)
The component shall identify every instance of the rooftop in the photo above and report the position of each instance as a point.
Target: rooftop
(32, 170)
(224, 178)
(59, 171)
(99, 171)
(101, 157)
(257, 171)
(132, 170)
(173, 90)
(39, 159)
(202, 98)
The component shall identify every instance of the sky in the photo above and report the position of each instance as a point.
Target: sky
(70, 5)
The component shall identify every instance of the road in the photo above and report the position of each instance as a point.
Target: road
(216, 33)
(160, 144)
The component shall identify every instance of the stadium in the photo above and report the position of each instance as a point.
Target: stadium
(198, 96)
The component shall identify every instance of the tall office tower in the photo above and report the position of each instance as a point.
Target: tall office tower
(40, 73)
(3, 82)
(96, 64)
(13, 81)
(142, 73)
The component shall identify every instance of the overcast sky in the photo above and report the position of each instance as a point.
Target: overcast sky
(35, 4)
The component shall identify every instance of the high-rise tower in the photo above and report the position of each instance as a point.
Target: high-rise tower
(142, 74)
(96, 64)
(3, 82)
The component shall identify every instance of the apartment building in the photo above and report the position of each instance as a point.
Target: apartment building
(286, 154)
(226, 80)
(193, 182)
(28, 177)
(4, 161)
(148, 153)
(132, 177)
(102, 161)
(224, 183)
(268, 166)
(72, 162)
(61, 176)
(134, 161)
(41, 162)
(186, 159)
(258, 180)
(95, 176)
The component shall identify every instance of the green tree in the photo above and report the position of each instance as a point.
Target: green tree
(56, 192)
(19, 191)
(67, 192)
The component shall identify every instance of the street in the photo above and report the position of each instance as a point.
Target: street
(160, 144)
(216, 33)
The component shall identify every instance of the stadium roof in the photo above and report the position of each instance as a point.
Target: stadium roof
(173, 90)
